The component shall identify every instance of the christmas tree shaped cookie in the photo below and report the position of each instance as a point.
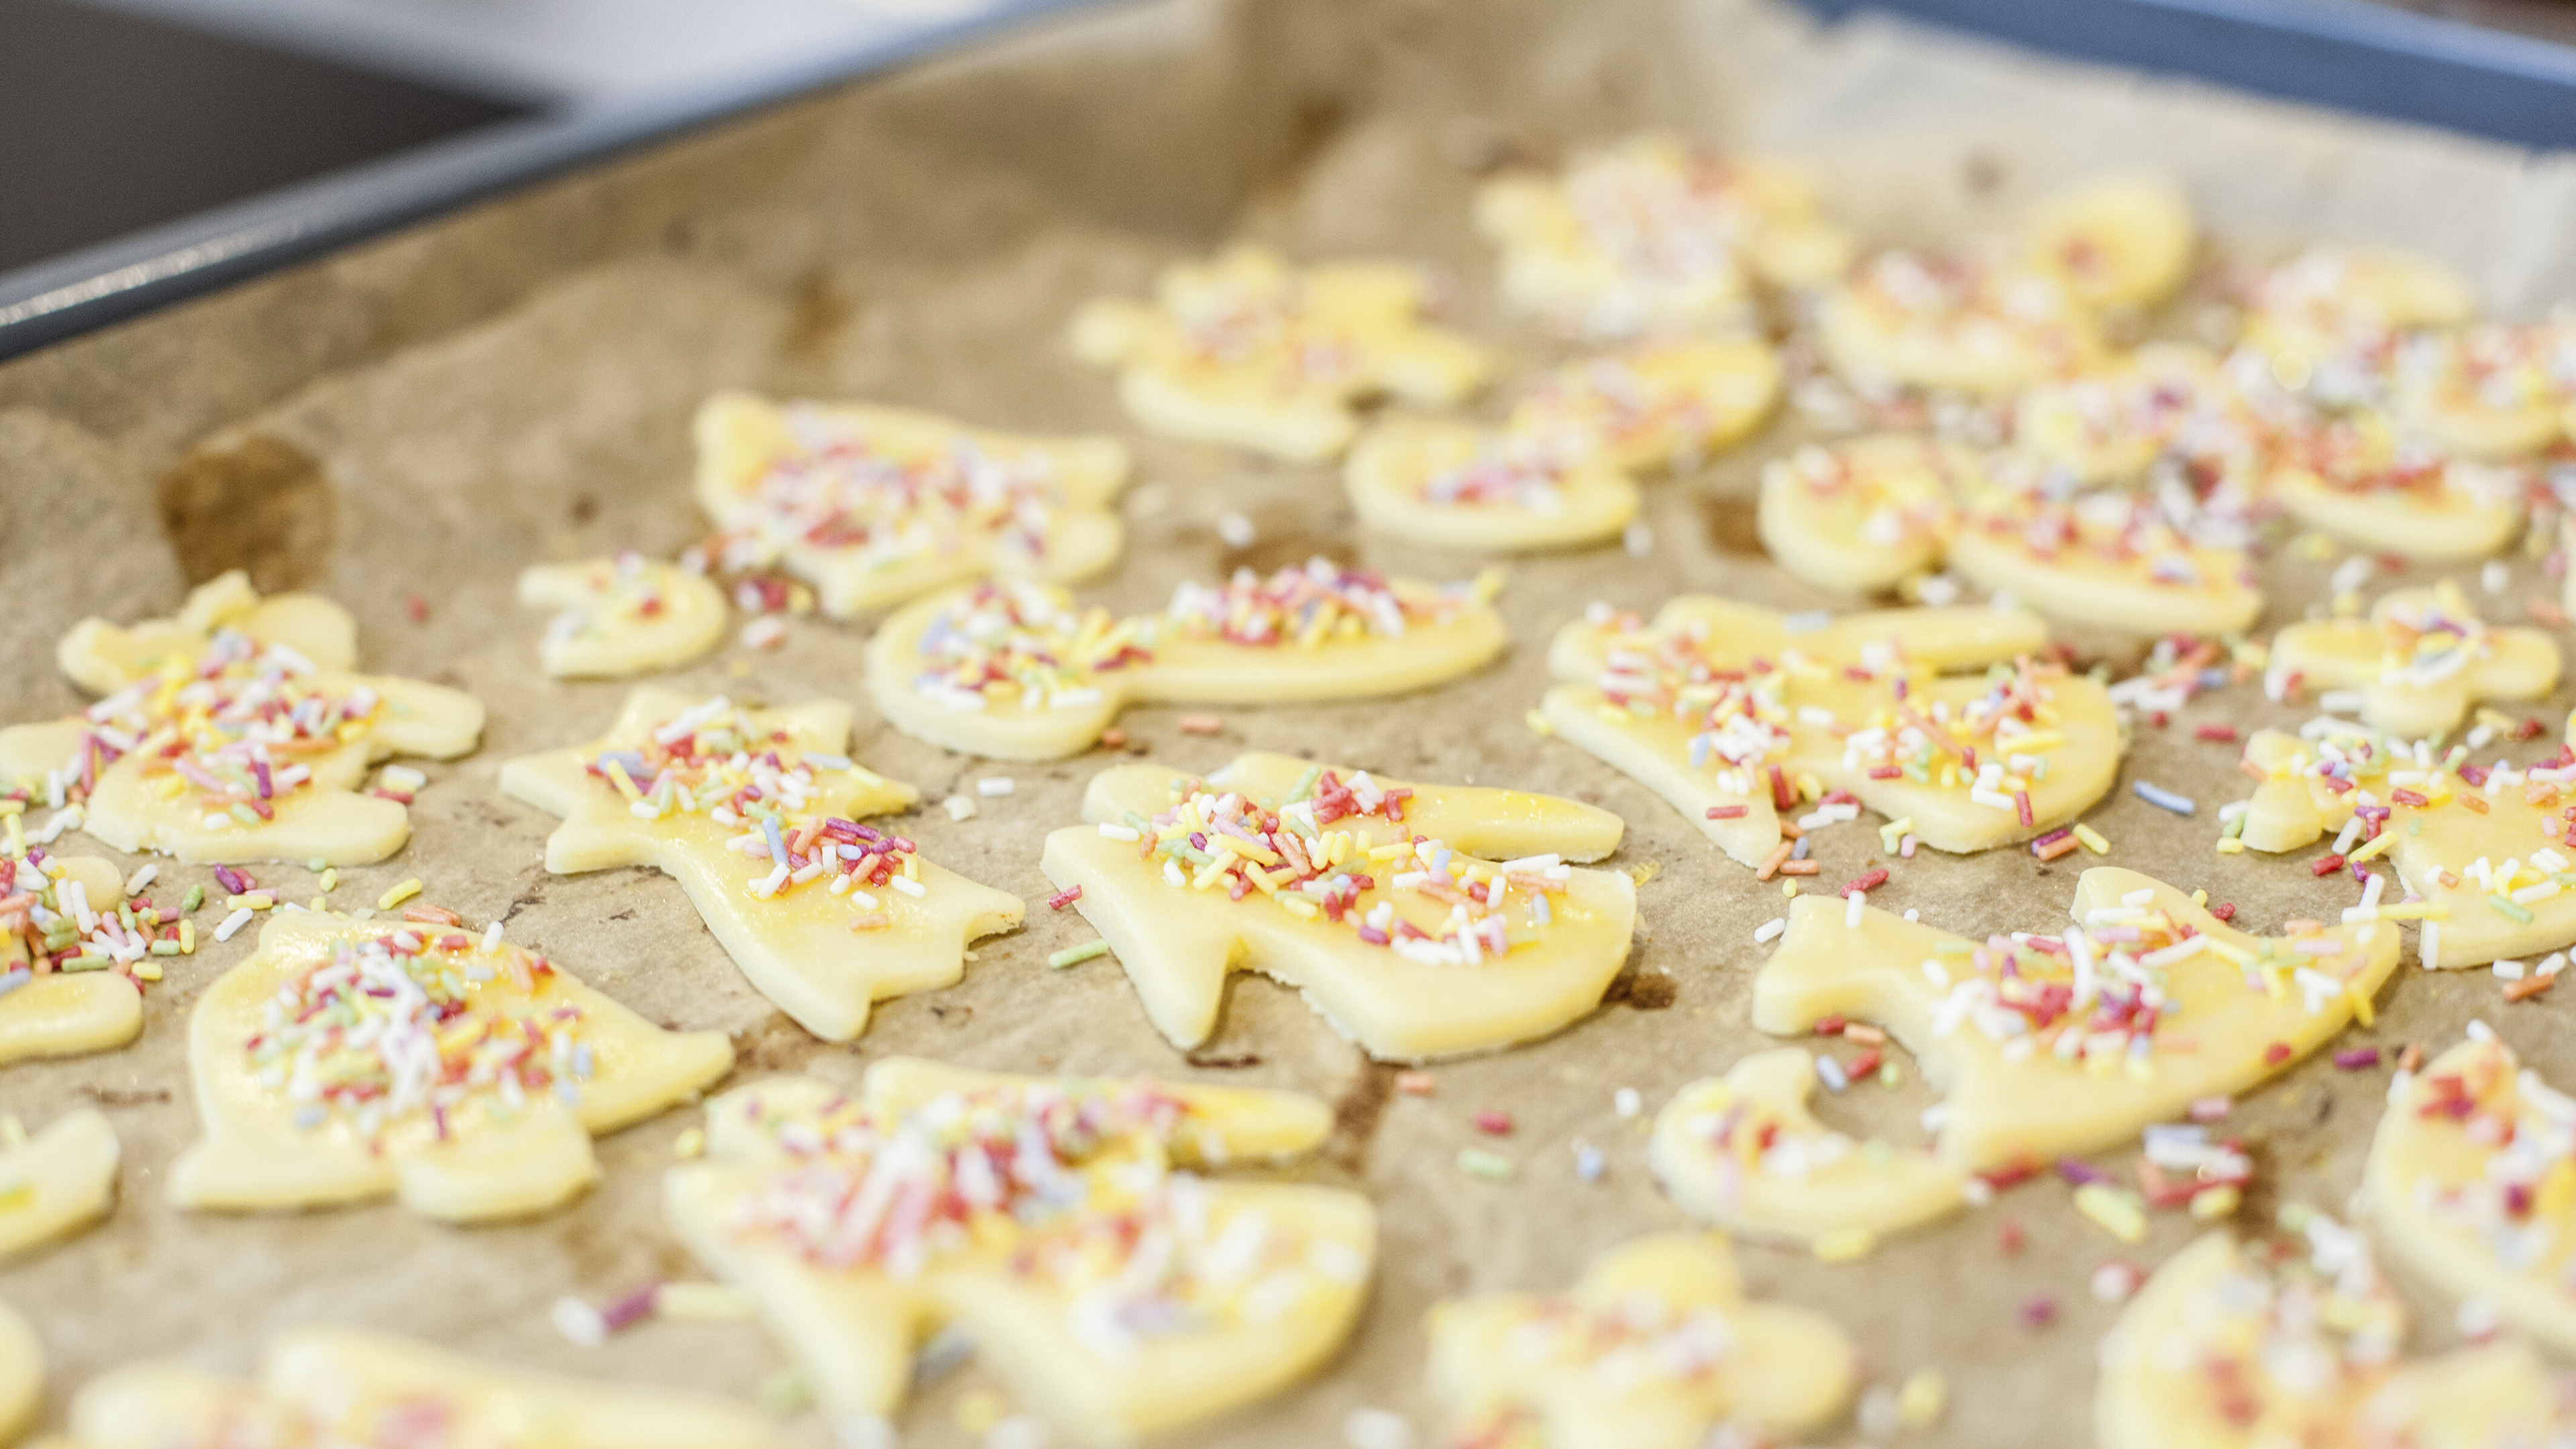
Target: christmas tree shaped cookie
(56, 1181)
(2489, 392)
(235, 733)
(346, 1060)
(876, 505)
(1015, 672)
(22, 1374)
(1859, 516)
(2421, 660)
(2116, 241)
(1248, 350)
(2043, 1047)
(2472, 1180)
(1655, 405)
(2300, 1342)
(2358, 477)
(1422, 920)
(1658, 1347)
(1743, 1153)
(758, 814)
(1075, 1228)
(1455, 485)
(1735, 714)
(61, 993)
(342, 1386)
(622, 615)
(1647, 235)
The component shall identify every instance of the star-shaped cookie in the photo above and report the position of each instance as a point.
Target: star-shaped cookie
(1072, 1226)
(622, 615)
(758, 814)
(56, 1181)
(235, 732)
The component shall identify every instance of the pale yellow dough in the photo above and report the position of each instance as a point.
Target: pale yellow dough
(1066, 713)
(1653, 746)
(1961, 324)
(2460, 510)
(1860, 516)
(2108, 559)
(1743, 1153)
(2488, 392)
(1180, 944)
(999, 503)
(1035, 1319)
(1657, 1346)
(622, 616)
(2408, 693)
(55, 1182)
(1248, 350)
(1455, 485)
(2212, 1302)
(2331, 301)
(799, 951)
(2108, 425)
(2116, 241)
(69, 1013)
(2436, 1186)
(350, 1386)
(2004, 1104)
(487, 1159)
(1655, 405)
(22, 1375)
(324, 819)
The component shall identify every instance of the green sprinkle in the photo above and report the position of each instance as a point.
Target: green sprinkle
(246, 816)
(196, 898)
(2040, 770)
(165, 948)
(86, 961)
(1305, 783)
(317, 865)
(2414, 828)
(1076, 955)
(1491, 1166)
(2509, 910)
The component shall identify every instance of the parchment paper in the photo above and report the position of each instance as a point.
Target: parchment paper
(426, 415)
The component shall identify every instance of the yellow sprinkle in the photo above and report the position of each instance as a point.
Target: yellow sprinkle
(399, 894)
(1538, 723)
(1789, 888)
(2375, 848)
(1844, 1244)
(1644, 873)
(2218, 1202)
(2200, 898)
(617, 776)
(692, 1142)
(147, 970)
(2091, 839)
(187, 938)
(330, 879)
(2231, 846)
(1298, 906)
(1926, 1393)
(2118, 1213)
(703, 1303)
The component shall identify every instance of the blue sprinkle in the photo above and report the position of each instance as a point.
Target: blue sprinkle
(1831, 1073)
(1588, 1162)
(1799, 850)
(777, 846)
(13, 978)
(2164, 799)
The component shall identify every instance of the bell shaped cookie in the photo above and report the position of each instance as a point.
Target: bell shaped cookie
(2421, 660)
(55, 1182)
(1423, 921)
(235, 732)
(876, 505)
(1076, 1228)
(1015, 672)
(759, 814)
(622, 615)
(348, 1060)
(71, 970)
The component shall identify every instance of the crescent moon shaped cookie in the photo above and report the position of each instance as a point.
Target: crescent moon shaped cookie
(1250, 351)
(2421, 661)
(2117, 241)
(2489, 392)
(2355, 478)
(22, 1375)
(84, 995)
(1368, 896)
(347, 1060)
(2284, 1346)
(351, 1386)
(2326, 319)
(2047, 1047)
(1953, 323)
(622, 615)
(1735, 714)
(1743, 1153)
(1076, 1228)
(1656, 1347)
(1858, 517)
(55, 1182)
(1455, 485)
(235, 732)
(875, 505)
(757, 813)
(1015, 672)
(1646, 235)
(1655, 405)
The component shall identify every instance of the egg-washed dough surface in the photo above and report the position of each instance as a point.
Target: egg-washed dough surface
(836, 250)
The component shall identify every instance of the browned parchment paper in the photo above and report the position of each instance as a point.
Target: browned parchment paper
(425, 415)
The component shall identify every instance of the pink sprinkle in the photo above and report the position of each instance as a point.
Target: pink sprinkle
(2080, 1172)
(2039, 1312)
(1199, 724)
(2211, 1109)
(2357, 1058)
(1494, 1123)
(2219, 732)
(632, 1309)
(1064, 898)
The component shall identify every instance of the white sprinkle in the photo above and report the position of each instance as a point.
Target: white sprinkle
(907, 885)
(1639, 540)
(1770, 930)
(1853, 905)
(1236, 530)
(2508, 970)
(579, 1322)
(959, 807)
(1377, 1429)
(1626, 1102)
(2496, 577)
(1911, 914)
(992, 785)
(492, 937)
(233, 923)
(1119, 832)
(402, 778)
(143, 875)
(766, 632)
(2428, 948)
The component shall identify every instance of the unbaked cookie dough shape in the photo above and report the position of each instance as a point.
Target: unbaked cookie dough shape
(2421, 661)
(1653, 406)
(1015, 672)
(2113, 423)
(2102, 556)
(2042, 1048)
(22, 1375)
(1735, 714)
(1657, 1347)
(1742, 1152)
(1647, 235)
(757, 813)
(1075, 1228)
(622, 615)
(54, 1182)
(1250, 351)
(2357, 478)
(2327, 319)
(2490, 392)
(2303, 1345)
(346, 1386)
(876, 505)
(348, 1060)
(1423, 921)
(1857, 517)
(1955, 323)
(2116, 241)
(235, 732)
(1455, 485)
(2472, 1181)
(54, 1012)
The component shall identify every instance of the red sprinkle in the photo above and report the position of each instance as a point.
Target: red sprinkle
(2326, 865)
(1064, 898)
(1782, 797)
(2409, 797)
(1864, 1064)
(417, 607)
(1727, 812)
(1494, 1123)
(2009, 1237)
(2219, 732)
(1867, 882)
(2224, 911)
(2275, 1054)
(1830, 1025)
